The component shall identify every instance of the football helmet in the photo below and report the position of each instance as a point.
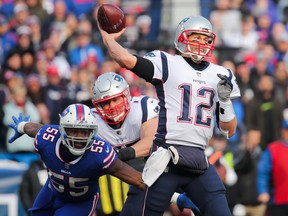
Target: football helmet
(107, 87)
(77, 116)
(188, 26)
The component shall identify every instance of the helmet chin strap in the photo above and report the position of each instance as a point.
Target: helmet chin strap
(194, 57)
(197, 59)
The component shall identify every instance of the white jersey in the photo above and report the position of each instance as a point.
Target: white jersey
(142, 109)
(187, 99)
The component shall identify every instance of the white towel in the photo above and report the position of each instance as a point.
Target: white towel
(155, 165)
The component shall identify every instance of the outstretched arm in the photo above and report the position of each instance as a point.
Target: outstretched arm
(126, 173)
(21, 125)
(31, 129)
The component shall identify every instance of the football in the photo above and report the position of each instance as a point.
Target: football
(111, 18)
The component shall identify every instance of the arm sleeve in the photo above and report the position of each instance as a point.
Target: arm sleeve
(264, 170)
(144, 68)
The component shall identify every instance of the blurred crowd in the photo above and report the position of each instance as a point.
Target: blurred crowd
(51, 53)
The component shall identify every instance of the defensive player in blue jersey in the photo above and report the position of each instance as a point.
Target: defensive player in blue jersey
(191, 92)
(75, 159)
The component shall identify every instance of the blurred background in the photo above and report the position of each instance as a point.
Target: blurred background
(51, 52)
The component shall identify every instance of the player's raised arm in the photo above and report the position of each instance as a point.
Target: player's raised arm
(117, 52)
(21, 125)
(126, 173)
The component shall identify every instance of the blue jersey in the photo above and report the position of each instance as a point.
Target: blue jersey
(76, 180)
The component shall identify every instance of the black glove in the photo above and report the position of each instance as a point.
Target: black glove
(125, 154)
(224, 88)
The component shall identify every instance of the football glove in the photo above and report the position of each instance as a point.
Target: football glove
(125, 154)
(184, 202)
(15, 126)
(224, 88)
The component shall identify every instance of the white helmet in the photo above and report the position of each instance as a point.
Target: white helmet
(188, 26)
(108, 86)
(77, 116)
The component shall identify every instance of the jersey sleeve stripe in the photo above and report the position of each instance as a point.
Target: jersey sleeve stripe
(144, 108)
(109, 156)
(109, 160)
(164, 67)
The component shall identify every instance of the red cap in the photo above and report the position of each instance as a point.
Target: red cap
(52, 70)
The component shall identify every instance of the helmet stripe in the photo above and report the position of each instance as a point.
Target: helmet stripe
(80, 112)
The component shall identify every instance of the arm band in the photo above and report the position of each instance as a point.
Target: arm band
(226, 111)
(144, 68)
(20, 127)
(126, 154)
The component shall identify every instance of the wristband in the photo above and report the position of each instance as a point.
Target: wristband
(20, 127)
(126, 154)
(174, 198)
(226, 111)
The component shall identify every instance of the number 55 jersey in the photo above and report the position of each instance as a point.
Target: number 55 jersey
(73, 181)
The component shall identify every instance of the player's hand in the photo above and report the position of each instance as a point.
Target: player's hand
(184, 202)
(15, 125)
(264, 198)
(125, 154)
(106, 36)
(224, 88)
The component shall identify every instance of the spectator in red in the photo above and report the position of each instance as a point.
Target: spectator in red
(273, 175)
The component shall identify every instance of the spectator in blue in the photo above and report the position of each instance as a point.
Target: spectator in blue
(8, 38)
(80, 8)
(84, 48)
(206, 7)
(7, 8)
(155, 11)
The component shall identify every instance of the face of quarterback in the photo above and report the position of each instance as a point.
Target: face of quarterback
(198, 43)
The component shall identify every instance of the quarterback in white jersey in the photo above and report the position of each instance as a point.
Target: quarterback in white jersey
(191, 92)
(190, 98)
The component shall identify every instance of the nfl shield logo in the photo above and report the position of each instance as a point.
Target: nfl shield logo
(67, 165)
